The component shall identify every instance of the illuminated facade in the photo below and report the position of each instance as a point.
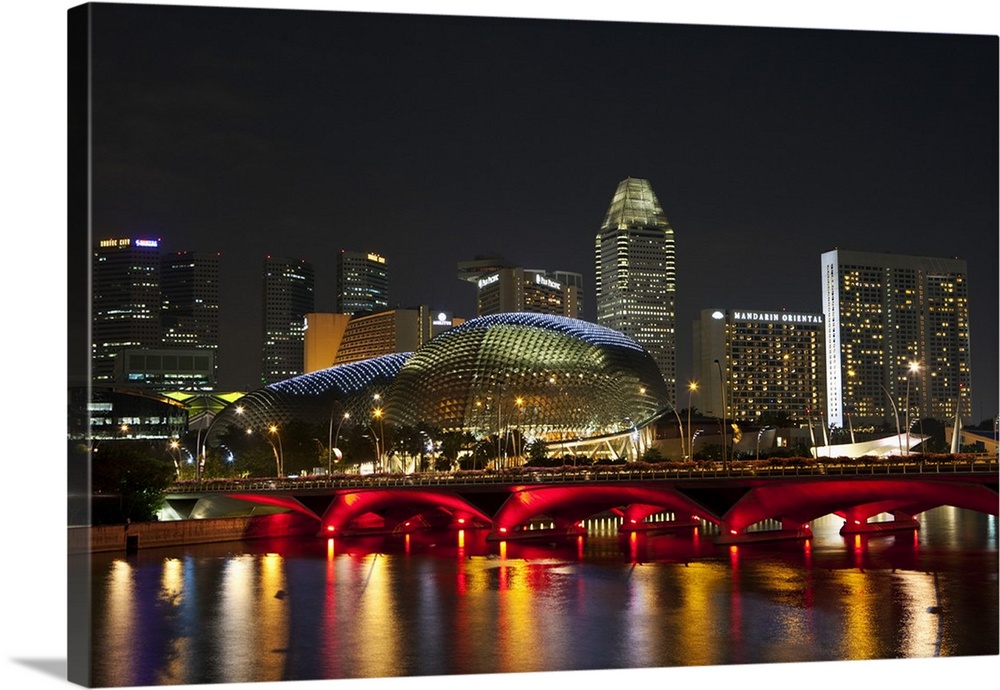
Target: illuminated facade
(189, 286)
(636, 277)
(397, 330)
(897, 333)
(771, 364)
(322, 340)
(288, 296)
(166, 369)
(502, 288)
(550, 377)
(362, 282)
(125, 302)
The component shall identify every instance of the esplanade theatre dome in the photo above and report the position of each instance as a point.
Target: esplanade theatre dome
(550, 377)
(313, 397)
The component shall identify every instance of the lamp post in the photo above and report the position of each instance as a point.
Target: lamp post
(279, 453)
(176, 446)
(692, 387)
(377, 412)
(333, 440)
(914, 367)
(519, 403)
(895, 413)
(722, 389)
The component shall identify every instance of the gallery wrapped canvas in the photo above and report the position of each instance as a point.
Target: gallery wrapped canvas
(443, 348)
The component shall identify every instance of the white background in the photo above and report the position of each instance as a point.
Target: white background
(32, 498)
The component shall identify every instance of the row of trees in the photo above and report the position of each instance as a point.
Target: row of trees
(302, 448)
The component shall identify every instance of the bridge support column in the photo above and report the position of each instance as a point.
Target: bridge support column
(790, 529)
(634, 520)
(856, 522)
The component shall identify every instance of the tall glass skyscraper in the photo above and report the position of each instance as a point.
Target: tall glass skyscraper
(126, 301)
(189, 283)
(288, 297)
(362, 283)
(636, 277)
(897, 334)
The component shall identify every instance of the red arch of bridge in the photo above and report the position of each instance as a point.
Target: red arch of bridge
(800, 502)
(286, 502)
(396, 506)
(569, 504)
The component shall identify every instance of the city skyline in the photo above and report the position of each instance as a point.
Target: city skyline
(766, 148)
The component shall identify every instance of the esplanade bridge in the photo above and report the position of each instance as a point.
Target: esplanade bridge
(746, 502)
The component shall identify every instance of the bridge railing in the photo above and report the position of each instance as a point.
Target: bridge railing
(535, 476)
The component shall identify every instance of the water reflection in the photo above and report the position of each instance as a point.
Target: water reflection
(452, 602)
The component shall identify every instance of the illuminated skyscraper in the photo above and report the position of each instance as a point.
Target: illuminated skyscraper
(636, 278)
(126, 301)
(288, 297)
(189, 284)
(897, 333)
(362, 282)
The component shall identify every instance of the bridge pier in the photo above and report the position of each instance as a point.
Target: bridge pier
(856, 522)
(635, 514)
(790, 529)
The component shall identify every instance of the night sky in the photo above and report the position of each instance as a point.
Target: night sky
(433, 139)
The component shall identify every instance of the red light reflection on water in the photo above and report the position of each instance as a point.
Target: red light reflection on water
(460, 570)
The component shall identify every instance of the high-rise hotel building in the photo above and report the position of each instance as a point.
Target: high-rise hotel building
(288, 296)
(897, 333)
(362, 282)
(636, 277)
(753, 365)
(125, 301)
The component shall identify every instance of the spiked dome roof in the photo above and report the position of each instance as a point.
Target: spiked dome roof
(549, 376)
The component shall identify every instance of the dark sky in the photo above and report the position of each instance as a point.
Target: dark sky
(433, 139)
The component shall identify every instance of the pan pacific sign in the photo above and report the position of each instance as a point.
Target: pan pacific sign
(776, 317)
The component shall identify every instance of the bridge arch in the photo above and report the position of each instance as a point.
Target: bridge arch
(567, 505)
(803, 501)
(392, 508)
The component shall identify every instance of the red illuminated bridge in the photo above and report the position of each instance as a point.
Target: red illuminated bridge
(512, 503)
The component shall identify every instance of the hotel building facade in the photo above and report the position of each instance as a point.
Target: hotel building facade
(502, 288)
(754, 366)
(897, 337)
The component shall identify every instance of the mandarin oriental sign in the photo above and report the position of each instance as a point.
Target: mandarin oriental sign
(777, 317)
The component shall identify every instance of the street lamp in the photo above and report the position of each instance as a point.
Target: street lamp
(332, 440)
(895, 413)
(722, 389)
(692, 387)
(914, 367)
(176, 446)
(377, 412)
(279, 453)
(519, 402)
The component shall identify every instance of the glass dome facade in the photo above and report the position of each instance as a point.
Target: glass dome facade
(314, 397)
(549, 377)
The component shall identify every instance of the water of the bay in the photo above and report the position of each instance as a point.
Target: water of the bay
(453, 603)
